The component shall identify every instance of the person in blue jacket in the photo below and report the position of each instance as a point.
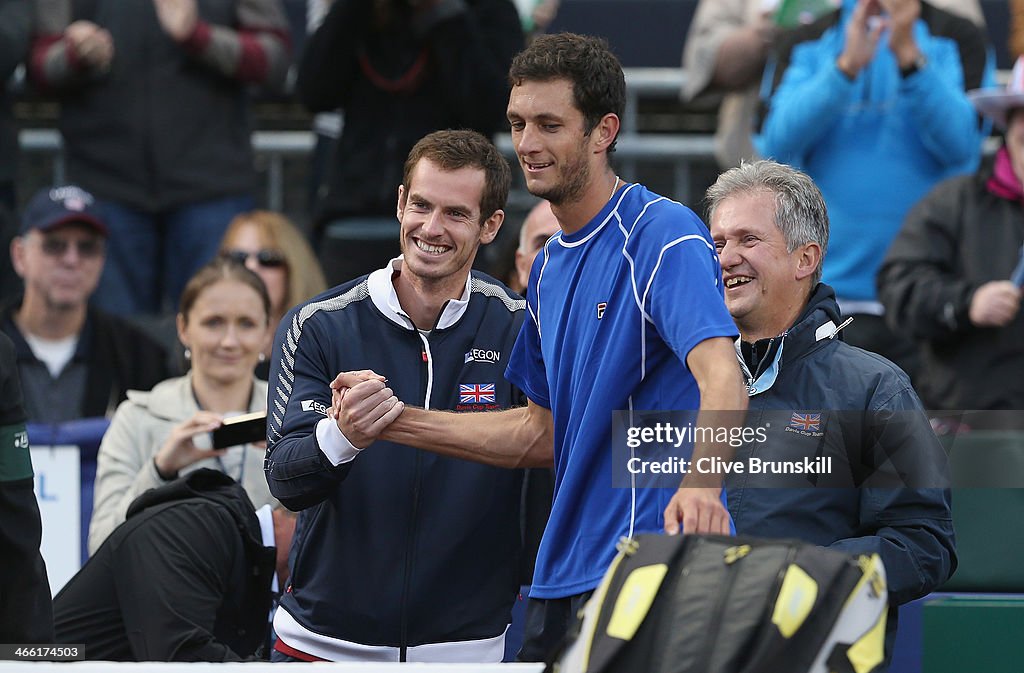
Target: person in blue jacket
(400, 555)
(870, 101)
(815, 396)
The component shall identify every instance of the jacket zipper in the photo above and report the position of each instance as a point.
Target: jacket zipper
(407, 580)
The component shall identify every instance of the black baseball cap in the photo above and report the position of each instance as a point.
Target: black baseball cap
(58, 206)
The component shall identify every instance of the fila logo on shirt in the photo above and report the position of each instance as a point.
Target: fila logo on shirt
(601, 308)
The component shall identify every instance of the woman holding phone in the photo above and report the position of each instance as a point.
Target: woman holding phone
(157, 435)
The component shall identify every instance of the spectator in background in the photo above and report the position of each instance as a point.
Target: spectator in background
(543, 14)
(1016, 42)
(398, 69)
(155, 121)
(75, 361)
(536, 15)
(25, 614)
(272, 247)
(159, 434)
(326, 125)
(540, 225)
(15, 35)
(188, 577)
(871, 103)
(726, 49)
(946, 280)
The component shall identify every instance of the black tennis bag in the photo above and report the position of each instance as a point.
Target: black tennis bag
(717, 604)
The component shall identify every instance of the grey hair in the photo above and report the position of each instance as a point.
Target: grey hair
(800, 212)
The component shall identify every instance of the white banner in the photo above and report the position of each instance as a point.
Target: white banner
(58, 490)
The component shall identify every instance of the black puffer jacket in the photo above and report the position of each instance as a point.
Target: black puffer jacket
(185, 578)
(956, 239)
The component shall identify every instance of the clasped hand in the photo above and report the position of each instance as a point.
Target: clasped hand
(363, 406)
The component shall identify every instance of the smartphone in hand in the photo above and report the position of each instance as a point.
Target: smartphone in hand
(244, 429)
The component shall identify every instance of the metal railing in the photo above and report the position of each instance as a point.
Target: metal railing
(275, 147)
(678, 149)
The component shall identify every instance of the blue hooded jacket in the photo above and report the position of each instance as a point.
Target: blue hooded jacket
(876, 144)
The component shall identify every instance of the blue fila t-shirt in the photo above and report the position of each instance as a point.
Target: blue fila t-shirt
(614, 309)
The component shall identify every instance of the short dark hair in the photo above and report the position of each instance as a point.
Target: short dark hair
(452, 150)
(598, 83)
(221, 268)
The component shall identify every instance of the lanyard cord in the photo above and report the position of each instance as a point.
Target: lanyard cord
(241, 470)
(220, 463)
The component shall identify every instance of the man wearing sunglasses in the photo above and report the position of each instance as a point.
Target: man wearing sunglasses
(74, 361)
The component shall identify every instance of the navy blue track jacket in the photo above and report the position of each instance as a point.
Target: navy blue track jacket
(399, 547)
(867, 412)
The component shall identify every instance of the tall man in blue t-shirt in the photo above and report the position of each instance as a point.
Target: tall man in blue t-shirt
(625, 313)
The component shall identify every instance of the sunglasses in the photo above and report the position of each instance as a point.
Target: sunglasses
(57, 247)
(265, 258)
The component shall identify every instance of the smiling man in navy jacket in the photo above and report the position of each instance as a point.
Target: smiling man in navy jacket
(401, 555)
(882, 489)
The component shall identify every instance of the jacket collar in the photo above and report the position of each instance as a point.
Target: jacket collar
(381, 287)
(1002, 181)
(762, 361)
(173, 399)
(21, 348)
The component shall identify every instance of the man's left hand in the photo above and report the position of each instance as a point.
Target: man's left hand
(178, 18)
(699, 510)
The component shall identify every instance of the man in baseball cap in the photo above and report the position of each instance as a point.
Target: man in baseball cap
(74, 361)
(59, 207)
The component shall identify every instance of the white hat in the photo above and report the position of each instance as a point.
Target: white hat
(995, 103)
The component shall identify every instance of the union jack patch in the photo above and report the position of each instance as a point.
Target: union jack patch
(805, 422)
(476, 393)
